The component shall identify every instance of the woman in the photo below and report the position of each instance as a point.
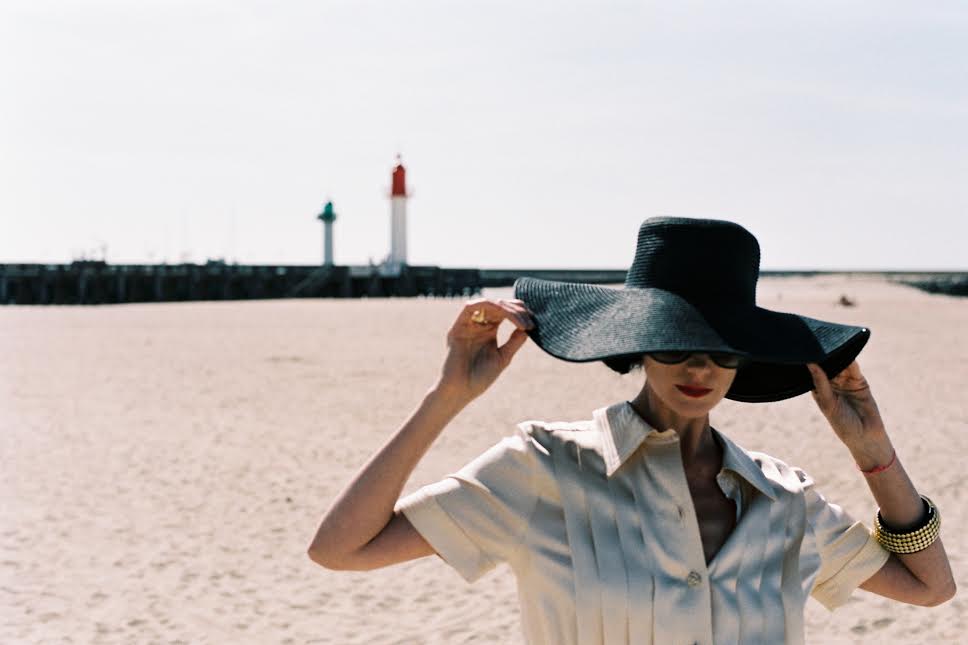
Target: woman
(645, 524)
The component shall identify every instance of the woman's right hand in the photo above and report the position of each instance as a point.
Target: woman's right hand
(474, 360)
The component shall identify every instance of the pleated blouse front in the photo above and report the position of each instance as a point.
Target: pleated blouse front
(597, 523)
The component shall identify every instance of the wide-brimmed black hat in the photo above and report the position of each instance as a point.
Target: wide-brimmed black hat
(691, 287)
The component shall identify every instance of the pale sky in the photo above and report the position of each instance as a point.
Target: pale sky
(535, 134)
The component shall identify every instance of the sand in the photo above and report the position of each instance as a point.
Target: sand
(165, 466)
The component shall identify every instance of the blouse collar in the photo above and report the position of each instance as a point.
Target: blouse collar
(623, 431)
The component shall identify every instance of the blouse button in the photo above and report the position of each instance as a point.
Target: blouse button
(693, 579)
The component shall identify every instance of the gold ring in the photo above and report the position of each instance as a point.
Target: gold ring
(477, 316)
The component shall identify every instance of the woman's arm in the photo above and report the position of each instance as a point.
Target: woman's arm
(359, 531)
(365, 507)
(922, 578)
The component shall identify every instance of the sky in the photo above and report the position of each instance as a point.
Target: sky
(535, 134)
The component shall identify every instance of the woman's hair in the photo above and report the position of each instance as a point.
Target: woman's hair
(625, 363)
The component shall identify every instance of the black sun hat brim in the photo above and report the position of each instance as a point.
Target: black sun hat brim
(580, 322)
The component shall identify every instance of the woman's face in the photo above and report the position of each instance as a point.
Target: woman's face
(674, 384)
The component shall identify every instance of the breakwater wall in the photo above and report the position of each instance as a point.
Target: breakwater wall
(101, 283)
(93, 282)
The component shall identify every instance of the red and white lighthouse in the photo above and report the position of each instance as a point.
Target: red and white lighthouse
(398, 218)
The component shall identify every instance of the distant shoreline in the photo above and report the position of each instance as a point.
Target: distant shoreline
(97, 282)
(952, 283)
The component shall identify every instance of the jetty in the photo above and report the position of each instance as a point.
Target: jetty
(97, 282)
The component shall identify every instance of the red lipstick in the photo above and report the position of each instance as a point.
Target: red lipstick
(694, 392)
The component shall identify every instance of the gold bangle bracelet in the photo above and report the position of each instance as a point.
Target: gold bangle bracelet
(911, 541)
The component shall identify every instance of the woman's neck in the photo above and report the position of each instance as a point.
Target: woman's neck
(696, 441)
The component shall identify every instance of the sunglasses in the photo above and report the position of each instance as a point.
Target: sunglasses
(723, 359)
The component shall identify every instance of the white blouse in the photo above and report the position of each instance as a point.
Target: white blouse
(596, 521)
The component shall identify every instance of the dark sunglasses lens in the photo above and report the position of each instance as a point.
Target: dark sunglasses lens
(670, 358)
(730, 361)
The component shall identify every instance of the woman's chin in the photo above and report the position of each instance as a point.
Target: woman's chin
(688, 406)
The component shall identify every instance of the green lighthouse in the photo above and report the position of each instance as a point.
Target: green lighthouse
(327, 217)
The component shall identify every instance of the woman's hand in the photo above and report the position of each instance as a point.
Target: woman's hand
(474, 360)
(848, 404)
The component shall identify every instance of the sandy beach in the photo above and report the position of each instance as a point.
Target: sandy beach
(165, 466)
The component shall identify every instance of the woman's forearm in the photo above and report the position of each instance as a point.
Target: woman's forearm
(474, 360)
(896, 496)
(365, 506)
(901, 509)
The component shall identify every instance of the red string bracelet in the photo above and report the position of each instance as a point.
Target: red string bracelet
(880, 469)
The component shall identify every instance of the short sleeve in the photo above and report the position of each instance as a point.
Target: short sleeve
(849, 554)
(478, 516)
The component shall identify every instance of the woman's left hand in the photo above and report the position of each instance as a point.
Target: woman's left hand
(847, 403)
